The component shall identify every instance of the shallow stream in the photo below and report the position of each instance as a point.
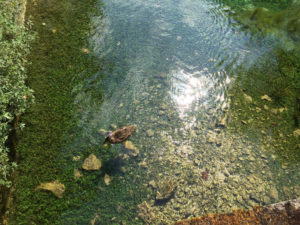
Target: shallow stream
(179, 71)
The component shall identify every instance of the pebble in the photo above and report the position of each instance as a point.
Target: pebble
(248, 98)
(273, 193)
(150, 132)
(266, 97)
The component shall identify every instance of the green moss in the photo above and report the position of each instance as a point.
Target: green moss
(57, 61)
(60, 69)
(275, 18)
(276, 75)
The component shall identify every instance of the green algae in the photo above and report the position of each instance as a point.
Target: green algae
(279, 19)
(59, 62)
(276, 74)
(61, 68)
(51, 138)
(273, 122)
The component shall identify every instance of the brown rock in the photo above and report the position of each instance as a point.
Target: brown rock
(283, 213)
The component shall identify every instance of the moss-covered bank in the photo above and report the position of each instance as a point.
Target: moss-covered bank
(14, 94)
(61, 66)
(57, 61)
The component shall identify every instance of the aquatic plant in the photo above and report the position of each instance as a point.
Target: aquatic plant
(276, 75)
(274, 18)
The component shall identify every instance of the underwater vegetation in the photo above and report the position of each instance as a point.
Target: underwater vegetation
(47, 154)
(172, 168)
(275, 74)
(277, 77)
(277, 18)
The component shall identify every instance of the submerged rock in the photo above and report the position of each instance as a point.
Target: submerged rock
(146, 212)
(107, 179)
(266, 97)
(220, 176)
(296, 133)
(274, 193)
(77, 174)
(91, 163)
(150, 132)
(248, 98)
(132, 150)
(222, 122)
(165, 189)
(204, 175)
(152, 184)
(55, 187)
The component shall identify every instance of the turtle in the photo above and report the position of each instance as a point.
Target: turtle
(120, 135)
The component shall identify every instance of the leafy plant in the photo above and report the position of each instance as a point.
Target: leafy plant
(15, 96)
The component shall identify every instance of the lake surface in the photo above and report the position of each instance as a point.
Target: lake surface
(206, 136)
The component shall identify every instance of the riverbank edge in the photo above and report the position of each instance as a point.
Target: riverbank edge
(284, 213)
(11, 140)
(59, 59)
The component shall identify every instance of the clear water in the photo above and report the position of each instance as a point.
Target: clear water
(169, 68)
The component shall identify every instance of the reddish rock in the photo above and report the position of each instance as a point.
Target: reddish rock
(283, 213)
(204, 175)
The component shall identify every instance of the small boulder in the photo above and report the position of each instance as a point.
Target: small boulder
(274, 193)
(77, 174)
(266, 97)
(150, 133)
(248, 98)
(91, 163)
(296, 133)
(152, 184)
(107, 179)
(165, 189)
(132, 150)
(146, 212)
(220, 176)
(55, 187)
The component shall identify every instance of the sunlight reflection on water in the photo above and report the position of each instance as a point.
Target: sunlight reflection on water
(189, 88)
